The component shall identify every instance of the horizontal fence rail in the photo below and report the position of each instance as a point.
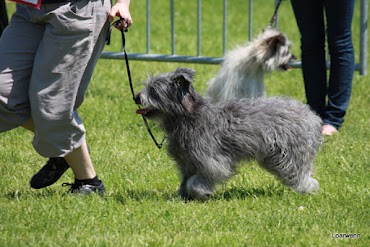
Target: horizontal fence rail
(173, 57)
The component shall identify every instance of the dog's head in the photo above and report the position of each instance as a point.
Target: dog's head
(273, 50)
(167, 94)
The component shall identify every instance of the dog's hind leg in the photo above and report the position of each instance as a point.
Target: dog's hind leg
(306, 184)
(293, 175)
(298, 177)
(198, 187)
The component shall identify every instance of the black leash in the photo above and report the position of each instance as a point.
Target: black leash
(274, 16)
(119, 25)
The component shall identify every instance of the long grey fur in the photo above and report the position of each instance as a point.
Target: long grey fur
(208, 141)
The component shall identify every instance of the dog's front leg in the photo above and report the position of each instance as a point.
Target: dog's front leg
(198, 187)
(187, 171)
(182, 190)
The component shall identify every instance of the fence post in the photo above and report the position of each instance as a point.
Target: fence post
(361, 66)
(363, 36)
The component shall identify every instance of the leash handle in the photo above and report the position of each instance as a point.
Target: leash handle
(118, 24)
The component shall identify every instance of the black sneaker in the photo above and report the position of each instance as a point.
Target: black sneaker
(85, 189)
(50, 173)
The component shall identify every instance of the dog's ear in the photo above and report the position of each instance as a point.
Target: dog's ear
(183, 77)
(273, 41)
(187, 102)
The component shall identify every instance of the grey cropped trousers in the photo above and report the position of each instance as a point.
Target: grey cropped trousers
(47, 58)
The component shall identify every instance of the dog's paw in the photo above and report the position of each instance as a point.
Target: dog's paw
(309, 186)
(183, 193)
(313, 186)
(198, 188)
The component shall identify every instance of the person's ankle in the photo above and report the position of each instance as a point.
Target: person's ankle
(92, 181)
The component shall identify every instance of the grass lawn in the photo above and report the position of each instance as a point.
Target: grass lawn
(141, 206)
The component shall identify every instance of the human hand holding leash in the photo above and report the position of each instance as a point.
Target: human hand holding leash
(121, 9)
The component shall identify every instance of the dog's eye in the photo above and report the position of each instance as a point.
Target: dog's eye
(152, 92)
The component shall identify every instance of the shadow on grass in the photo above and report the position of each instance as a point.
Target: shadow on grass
(22, 194)
(229, 194)
(244, 193)
(144, 195)
(139, 195)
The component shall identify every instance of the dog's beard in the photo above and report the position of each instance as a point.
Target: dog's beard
(147, 110)
(279, 60)
(282, 58)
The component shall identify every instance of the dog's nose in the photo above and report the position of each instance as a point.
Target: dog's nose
(137, 99)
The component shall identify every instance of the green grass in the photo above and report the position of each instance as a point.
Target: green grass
(141, 207)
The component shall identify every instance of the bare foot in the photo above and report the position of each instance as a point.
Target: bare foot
(328, 130)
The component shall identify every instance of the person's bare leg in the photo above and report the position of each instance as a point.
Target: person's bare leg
(79, 159)
(80, 162)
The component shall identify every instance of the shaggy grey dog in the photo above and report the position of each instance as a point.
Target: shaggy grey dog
(242, 71)
(207, 141)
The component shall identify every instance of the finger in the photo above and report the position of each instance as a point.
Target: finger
(128, 22)
(112, 14)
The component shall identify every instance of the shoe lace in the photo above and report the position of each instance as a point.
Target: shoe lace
(73, 186)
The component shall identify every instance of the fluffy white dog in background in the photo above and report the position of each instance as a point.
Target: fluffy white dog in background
(242, 71)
